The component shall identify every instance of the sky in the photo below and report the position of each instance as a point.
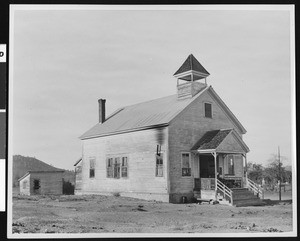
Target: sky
(63, 61)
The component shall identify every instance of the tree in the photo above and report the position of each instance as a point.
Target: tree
(255, 172)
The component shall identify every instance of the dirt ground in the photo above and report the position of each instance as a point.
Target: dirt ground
(108, 214)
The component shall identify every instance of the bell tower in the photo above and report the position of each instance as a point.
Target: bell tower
(189, 77)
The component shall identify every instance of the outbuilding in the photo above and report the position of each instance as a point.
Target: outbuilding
(42, 182)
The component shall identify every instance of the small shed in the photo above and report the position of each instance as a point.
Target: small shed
(42, 182)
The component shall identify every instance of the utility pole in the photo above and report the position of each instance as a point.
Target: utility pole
(279, 169)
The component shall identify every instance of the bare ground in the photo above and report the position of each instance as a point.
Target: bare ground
(108, 214)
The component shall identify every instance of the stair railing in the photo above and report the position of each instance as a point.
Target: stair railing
(225, 190)
(254, 188)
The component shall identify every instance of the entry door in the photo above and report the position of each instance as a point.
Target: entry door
(207, 166)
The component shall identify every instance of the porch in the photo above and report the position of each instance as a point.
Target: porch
(220, 168)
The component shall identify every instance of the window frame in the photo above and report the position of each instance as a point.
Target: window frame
(229, 166)
(92, 169)
(115, 168)
(190, 164)
(159, 166)
(109, 167)
(124, 166)
(211, 110)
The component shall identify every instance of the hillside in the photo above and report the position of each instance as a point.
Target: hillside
(22, 164)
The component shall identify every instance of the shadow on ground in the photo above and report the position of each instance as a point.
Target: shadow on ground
(277, 202)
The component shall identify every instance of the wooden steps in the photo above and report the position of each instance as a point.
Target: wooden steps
(242, 197)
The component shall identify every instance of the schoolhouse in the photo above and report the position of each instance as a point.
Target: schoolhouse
(172, 149)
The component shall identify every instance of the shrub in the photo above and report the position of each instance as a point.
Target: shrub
(68, 188)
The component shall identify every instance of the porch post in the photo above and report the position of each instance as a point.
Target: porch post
(215, 159)
(246, 174)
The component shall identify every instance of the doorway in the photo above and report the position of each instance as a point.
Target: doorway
(207, 166)
(36, 186)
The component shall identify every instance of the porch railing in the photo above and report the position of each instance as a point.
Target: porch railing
(254, 188)
(225, 190)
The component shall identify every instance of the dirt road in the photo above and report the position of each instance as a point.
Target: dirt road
(102, 214)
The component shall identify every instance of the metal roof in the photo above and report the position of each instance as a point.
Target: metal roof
(152, 113)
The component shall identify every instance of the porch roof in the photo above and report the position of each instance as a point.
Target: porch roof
(222, 141)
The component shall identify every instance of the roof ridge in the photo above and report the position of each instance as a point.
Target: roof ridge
(168, 96)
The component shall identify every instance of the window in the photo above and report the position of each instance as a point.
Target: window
(208, 110)
(109, 167)
(92, 167)
(159, 166)
(230, 164)
(186, 164)
(117, 167)
(24, 184)
(124, 166)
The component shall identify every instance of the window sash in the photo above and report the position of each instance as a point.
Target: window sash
(208, 110)
(92, 167)
(124, 171)
(159, 170)
(117, 167)
(230, 164)
(116, 170)
(185, 164)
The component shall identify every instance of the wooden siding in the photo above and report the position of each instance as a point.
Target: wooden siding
(140, 149)
(25, 185)
(78, 178)
(50, 182)
(230, 144)
(187, 128)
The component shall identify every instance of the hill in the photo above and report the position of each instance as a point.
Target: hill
(22, 164)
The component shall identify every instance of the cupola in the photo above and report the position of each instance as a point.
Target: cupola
(189, 77)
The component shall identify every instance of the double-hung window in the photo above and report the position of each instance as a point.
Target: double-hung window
(109, 167)
(92, 167)
(230, 159)
(117, 167)
(159, 166)
(186, 164)
(124, 166)
(208, 110)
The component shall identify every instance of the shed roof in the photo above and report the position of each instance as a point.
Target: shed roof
(191, 63)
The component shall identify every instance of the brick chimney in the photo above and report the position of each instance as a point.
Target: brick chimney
(101, 103)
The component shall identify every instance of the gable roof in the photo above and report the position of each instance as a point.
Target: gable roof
(151, 114)
(191, 63)
(27, 173)
(146, 115)
(212, 140)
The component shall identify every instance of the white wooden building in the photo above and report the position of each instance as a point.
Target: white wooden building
(185, 145)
